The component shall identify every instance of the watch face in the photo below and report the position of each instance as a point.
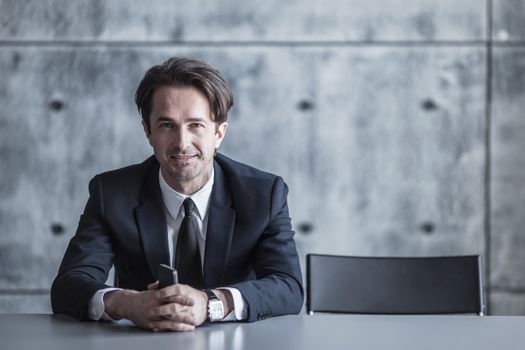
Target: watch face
(216, 310)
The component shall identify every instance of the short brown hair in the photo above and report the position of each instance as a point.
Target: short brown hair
(185, 72)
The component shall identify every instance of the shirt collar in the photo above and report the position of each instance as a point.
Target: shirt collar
(173, 199)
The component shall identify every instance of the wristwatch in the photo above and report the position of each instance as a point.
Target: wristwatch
(215, 307)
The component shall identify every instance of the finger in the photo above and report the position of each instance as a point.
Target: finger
(153, 286)
(167, 292)
(182, 318)
(168, 325)
(175, 289)
(181, 299)
(174, 312)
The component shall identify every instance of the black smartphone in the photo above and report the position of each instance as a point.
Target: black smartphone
(167, 276)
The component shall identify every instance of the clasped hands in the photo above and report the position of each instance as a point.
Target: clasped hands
(178, 307)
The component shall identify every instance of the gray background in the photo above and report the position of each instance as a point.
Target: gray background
(397, 124)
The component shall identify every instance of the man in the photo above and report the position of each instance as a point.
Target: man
(185, 206)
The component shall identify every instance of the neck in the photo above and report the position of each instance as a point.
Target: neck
(188, 187)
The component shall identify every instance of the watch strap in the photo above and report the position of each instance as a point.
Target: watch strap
(211, 295)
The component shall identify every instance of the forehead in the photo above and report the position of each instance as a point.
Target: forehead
(169, 101)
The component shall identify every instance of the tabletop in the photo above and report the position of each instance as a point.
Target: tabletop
(304, 332)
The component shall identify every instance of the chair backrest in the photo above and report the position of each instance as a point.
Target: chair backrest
(394, 285)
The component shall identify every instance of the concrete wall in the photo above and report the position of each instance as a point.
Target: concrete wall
(396, 123)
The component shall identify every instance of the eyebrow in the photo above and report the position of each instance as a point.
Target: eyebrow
(192, 120)
(188, 120)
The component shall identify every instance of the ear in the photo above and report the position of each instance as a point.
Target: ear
(148, 134)
(220, 133)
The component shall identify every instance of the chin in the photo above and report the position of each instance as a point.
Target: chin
(186, 175)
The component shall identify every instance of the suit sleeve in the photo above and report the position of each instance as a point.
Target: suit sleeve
(87, 260)
(277, 289)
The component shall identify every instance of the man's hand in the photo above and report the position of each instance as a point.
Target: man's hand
(158, 310)
(178, 307)
(175, 302)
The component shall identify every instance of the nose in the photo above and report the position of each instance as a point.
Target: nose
(182, 139)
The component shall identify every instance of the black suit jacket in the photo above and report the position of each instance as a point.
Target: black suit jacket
(249, 242)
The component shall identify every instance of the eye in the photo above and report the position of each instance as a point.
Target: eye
(197, 125)
(165, 125)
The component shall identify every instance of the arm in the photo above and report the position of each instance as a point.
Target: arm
(85, 269)
(277, 289)
(87, 260)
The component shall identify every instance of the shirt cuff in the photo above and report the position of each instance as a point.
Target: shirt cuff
(96, 307)
(240, 308)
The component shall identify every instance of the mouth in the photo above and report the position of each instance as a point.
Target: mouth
(183, 157)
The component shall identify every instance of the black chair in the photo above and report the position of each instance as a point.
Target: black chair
(394, 285)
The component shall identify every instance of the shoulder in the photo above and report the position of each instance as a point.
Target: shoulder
(247, 181)
(242, 172)
(130, 178)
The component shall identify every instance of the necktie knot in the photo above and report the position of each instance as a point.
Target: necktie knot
(189, 205)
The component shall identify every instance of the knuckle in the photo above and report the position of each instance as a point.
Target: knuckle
(173, 308)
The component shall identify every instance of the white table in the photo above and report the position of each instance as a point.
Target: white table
(327, 332)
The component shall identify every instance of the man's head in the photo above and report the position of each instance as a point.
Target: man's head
(184, 105)
(185, 72)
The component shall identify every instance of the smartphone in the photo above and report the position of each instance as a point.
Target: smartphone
(167, 276)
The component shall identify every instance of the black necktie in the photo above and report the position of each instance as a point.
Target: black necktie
(187, 257)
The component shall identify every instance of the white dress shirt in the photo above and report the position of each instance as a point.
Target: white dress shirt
(174, 213)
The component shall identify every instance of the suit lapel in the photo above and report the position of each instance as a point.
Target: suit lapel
(152, 225)
(221, 222)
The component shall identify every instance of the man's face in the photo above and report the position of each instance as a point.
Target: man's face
(183, 136)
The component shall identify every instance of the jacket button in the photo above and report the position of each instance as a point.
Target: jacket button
(263, 315)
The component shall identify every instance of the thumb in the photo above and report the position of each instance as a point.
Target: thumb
(153, 286)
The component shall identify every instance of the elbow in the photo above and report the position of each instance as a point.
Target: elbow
(56, 296)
